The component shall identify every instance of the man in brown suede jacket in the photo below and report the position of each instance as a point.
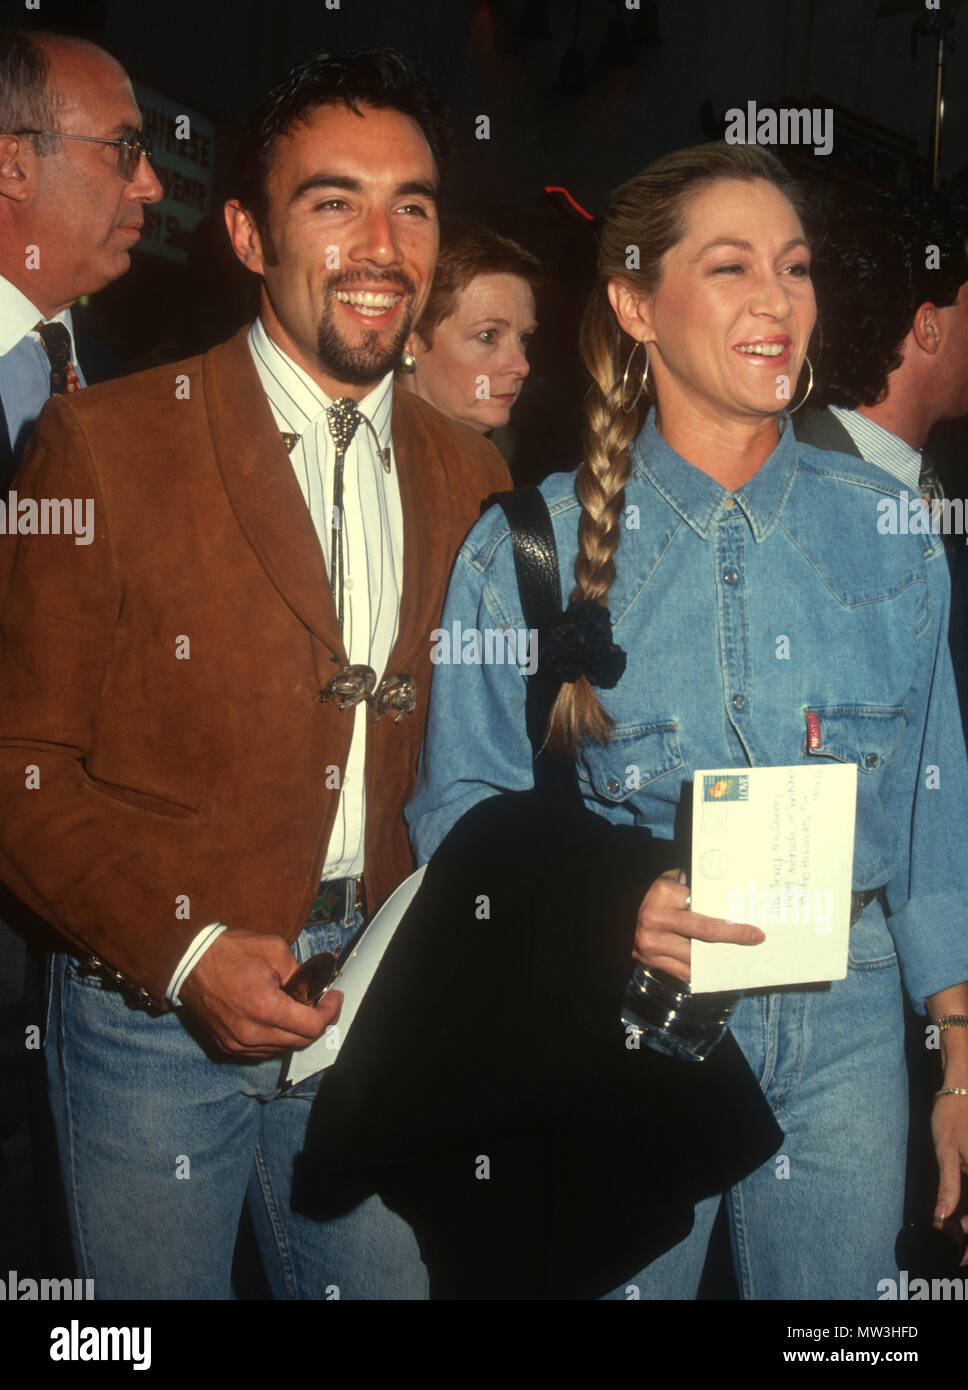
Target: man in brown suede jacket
(186, 793)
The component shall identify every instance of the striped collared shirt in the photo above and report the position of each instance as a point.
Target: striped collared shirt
(372, 524)
(879, 446)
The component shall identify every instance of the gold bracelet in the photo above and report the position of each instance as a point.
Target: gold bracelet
(953, 1021)
(951, 1091)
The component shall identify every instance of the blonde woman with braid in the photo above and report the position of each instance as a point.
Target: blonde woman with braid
(707, 533)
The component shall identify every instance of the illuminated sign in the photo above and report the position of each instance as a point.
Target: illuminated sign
(183, 157)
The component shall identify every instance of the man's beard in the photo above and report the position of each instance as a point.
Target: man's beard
(373, 356)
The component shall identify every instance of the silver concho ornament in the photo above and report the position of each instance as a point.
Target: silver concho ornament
(397, 693)
(349, 686)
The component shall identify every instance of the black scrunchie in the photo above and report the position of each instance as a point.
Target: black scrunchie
(579, 643)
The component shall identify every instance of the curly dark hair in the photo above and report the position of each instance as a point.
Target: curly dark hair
(378, 77)
(872, 270)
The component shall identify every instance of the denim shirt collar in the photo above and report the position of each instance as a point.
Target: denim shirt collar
(699, 499)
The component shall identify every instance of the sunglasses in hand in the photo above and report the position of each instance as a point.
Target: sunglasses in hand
(313, 978)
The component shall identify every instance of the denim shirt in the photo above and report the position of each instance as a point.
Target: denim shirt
(741, 613)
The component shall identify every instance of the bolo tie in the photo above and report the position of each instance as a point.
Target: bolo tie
(343, 419)
(356, 682)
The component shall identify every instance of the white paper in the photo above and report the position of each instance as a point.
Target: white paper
(354, 979)
(774, 846)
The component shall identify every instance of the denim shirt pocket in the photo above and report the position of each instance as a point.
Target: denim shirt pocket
(635, 756)
(870, 737)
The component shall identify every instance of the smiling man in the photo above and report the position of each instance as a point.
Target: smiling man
(215, 696)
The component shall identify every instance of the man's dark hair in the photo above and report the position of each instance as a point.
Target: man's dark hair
(27, 100)
(378, 77)
(872, 271)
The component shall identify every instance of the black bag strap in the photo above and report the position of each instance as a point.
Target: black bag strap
(539, 587)
(535, 554)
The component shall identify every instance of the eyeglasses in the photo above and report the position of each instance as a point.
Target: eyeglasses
(130, 147)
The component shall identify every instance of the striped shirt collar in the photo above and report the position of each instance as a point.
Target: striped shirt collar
(18, 317)
(296, 398)
(879, 446)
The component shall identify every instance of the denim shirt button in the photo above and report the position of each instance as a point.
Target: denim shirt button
(871, 760)
(613, 785)
(730, 577)
(739, 701)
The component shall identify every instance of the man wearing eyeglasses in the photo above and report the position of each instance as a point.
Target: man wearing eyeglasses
(73, 183)
(74, 178)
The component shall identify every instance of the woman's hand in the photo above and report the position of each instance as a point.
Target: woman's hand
(665, 927)
(949, 1130)
(949, 1118)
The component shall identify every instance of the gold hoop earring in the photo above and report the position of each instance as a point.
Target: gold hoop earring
(626, 409)
(806, 393)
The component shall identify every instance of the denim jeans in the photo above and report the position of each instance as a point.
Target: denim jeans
(160, 1147)
(819, 1219)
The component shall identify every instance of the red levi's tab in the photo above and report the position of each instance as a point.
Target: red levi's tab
(813, 730)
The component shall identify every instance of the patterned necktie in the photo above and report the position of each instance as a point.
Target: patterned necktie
(930, 484)
(343, 418)
(57, 345)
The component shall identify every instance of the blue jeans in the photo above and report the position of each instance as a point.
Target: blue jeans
(819, 1219)
(160, 1147)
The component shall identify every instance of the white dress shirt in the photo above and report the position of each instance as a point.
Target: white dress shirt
(372, 523)
(24, 364)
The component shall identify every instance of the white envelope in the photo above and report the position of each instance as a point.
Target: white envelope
(774, 846)
(354, 979)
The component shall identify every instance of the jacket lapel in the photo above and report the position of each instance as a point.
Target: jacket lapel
(263, 490)
(428, 544)
(824, 431)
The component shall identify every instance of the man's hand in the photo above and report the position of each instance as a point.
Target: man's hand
(236, 993)
(665, 928)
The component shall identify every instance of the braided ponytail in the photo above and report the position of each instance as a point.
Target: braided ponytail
(600, 487)
(645, 220)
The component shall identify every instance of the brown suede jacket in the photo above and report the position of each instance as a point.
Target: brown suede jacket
(163, 746)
